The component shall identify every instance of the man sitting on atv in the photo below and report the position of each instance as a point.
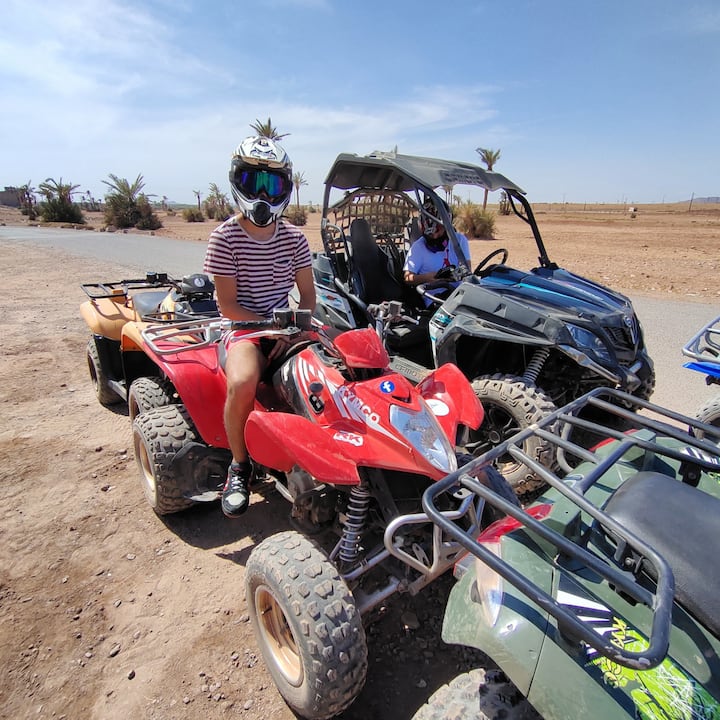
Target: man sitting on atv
(432, 256)
(255, 258)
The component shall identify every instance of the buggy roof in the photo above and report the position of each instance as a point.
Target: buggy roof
(391, 171)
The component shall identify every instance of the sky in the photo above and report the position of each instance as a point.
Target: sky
(587, 100)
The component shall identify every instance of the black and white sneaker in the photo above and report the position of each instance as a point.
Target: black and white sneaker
(236, 493)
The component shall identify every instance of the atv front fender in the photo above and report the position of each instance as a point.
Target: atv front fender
(516, 639)
(449, 385)
(281, 441)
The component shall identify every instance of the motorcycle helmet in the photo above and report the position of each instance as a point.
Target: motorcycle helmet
(261, 179)
(431, 225)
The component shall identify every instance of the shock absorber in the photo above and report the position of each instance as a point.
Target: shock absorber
(536, 365)
(357, 509)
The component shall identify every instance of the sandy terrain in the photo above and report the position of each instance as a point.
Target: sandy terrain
(106, 611)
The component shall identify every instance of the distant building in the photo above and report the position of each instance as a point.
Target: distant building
(10, 196)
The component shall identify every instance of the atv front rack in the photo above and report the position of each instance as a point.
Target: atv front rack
(173, 338)
(560, 429)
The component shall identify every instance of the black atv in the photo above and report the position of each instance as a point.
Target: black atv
(530, 340)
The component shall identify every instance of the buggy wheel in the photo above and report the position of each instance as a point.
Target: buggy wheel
(105, 394)
(150, 392)
(307, 625)
(511, 406)
(709, 413)
(477, 695)
(158, 436)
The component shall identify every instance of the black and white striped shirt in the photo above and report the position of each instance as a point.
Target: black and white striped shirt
(264, 269)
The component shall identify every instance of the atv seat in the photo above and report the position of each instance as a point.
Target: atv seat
(371, 277)
(682, 524)
(146, 303)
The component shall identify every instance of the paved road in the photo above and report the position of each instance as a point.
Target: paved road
(668, 324)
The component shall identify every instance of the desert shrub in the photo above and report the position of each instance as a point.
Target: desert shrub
(121, 212)
(296, 215)
(61, 210)
(147, 218)
(192, 214)
(475, 222)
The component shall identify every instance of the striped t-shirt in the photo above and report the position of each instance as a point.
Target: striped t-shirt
(264, 269)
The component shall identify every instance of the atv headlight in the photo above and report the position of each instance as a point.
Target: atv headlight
(423, 432)
(589, 341)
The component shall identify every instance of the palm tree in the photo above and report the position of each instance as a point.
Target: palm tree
(267, 129)
(63, 192)
(197, 195)
(489, 157)
(298, 181)
(448, 192)
(123, 189)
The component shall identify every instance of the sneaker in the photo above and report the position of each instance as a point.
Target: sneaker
(236, 494)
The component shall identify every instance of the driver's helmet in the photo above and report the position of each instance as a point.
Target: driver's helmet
(261, 179)
(431, 225)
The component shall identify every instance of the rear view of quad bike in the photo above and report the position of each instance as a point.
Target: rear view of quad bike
(352, 446)
(528, 340)
(602, 598)
(704, 351)
(115, 357)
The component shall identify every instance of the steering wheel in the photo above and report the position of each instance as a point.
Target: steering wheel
(483, 271)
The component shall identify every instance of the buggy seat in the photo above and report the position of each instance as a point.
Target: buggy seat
(682, 523)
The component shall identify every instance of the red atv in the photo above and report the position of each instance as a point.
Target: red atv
(352, 445)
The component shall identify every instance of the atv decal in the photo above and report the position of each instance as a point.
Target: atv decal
(664, 692)
(439, 408)
(387, 386)
(348, 437)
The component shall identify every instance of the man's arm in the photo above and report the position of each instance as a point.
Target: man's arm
(226, 294)
(306, 288)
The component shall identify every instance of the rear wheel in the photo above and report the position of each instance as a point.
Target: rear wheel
(477, 695)
(147, 393)
(709, 413)
(307, 625)
(105, 394)
(510, 406)
(158, 436)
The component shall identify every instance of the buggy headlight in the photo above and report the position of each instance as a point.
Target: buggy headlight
(589, 341)
(423, 432)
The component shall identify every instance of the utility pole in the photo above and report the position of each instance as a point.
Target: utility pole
(691, 202)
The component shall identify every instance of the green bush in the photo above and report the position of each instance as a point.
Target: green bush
(60, 210)
(297, 216)
(475, 222)
(193, 215)
(147, 219)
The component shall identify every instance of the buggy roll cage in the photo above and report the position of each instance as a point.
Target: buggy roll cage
(394, 172)
(557, 428)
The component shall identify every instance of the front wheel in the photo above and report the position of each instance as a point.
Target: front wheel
(511, 405)
(307, 625)
(477, 695)
(147, 393)
(158, 436)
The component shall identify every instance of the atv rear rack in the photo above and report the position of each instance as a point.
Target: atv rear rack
(704, 348)
(119, 288)
(692, 453)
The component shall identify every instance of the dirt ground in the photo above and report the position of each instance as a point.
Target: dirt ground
(107, 611)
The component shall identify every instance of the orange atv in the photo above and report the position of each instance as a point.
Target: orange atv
(116, 312)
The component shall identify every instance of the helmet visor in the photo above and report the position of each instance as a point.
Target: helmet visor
(254, 182)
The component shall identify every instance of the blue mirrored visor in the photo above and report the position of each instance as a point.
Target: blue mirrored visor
(254, 182)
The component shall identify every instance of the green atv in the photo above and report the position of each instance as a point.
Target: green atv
(601, 598)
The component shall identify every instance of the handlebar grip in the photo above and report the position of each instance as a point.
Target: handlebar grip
(251, 324)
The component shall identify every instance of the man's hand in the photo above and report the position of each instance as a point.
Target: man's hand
(445, 273)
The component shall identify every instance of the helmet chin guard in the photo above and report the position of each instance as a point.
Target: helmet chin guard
(261, 180)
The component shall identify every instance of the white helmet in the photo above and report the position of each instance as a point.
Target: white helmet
(261, 179)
